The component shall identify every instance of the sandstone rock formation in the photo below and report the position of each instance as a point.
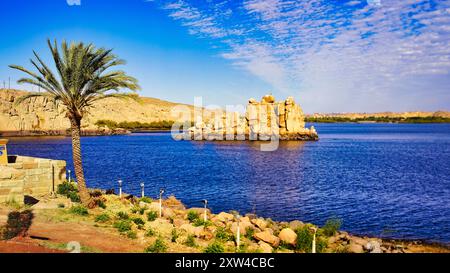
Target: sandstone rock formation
(263, 120)
(41, 116)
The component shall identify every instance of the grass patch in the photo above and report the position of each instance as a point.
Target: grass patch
(123, 215)
(131, 234)
(192, 216)
(79, 210)
(150, 232)
(215, 247)
(102, 218)
(158, 247)
(122, 226)
(190, 241)
(223, 235)
(146, 199)
(152, 215)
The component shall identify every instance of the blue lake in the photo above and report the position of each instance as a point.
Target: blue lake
(390, 180)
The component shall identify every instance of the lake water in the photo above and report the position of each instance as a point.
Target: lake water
(390, 180)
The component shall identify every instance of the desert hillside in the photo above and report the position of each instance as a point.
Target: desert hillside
(41, 114)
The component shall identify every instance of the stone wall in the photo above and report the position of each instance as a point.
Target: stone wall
(30, 176)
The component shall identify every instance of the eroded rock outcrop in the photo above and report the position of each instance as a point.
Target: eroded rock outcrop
(41, 116)
(264, 120)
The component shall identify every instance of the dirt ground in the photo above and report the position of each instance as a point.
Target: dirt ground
(45, 235)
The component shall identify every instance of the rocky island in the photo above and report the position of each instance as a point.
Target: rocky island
(264, 120)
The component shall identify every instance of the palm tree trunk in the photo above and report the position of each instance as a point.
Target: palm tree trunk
(77, 163)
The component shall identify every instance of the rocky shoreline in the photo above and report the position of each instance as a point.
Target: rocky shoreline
(138, 225)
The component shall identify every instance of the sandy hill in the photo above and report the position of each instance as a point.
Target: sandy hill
(41, 114)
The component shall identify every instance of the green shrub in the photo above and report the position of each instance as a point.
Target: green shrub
(146, 199)
(158, 247)
(305, 239)
(101, 204)
(190, 241)
(131, 234)
(123, 215)
(223, 235)
(122, 225)
(138, 210)
(215, 247)
(74, 197)
(175, 235)
(102, 218)
(139, 222)
(79, 210)
(249, 232)
(152, 215)
(66, 187)
(17, 224)
(200, 222)
(192, 216)
(150, 232)
(331, 226)
(69, 190)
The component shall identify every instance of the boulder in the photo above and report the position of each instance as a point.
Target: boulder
(373, 247)
(243, 227)
(260, 223)
(200, 211)
(224, 217)
(264, 247)
(190, 229)
(287, 235)
(168, 213)
(268, 238)
(296, 224)
(179, 222)
(355, 248)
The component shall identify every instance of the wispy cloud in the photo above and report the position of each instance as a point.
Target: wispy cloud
(318, 50)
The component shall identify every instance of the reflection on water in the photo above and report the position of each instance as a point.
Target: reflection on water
(376, 177)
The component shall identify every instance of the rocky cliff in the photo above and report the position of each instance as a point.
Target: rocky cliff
(41, 116)
(264, 120)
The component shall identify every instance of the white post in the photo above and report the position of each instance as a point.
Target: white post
(314, 240)
(161, 191)
(120, 188)
(142, 189)
(238, 235)
(70, 178)
(205, 218)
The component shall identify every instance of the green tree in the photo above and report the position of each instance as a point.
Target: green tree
(84, 76)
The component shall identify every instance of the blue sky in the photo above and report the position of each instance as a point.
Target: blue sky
(332, 56)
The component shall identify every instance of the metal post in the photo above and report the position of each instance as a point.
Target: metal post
(238, 235)
(314, 229)
(205, 217)
(120, 188)
(161, 192)
(70, 178)
(142, 189)
(9, 82)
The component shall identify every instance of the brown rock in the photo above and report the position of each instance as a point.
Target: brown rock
(268, 238)
(287, 235)
(264, 247)
(260, 223)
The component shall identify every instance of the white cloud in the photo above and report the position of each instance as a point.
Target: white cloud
(73, 2)
(365, 49)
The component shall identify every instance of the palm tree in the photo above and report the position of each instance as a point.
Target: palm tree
(84, 77)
